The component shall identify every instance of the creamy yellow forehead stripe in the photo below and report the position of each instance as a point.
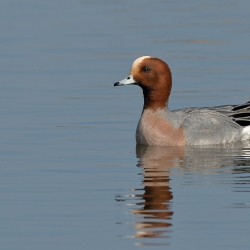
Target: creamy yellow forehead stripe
(139, 60)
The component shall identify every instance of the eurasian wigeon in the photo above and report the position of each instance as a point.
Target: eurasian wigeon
(190, 126)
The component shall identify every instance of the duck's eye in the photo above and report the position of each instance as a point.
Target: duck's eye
(145, 69)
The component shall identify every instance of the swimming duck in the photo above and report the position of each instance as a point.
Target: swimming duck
(189, 126)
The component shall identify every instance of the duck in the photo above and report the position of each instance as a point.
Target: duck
(188, 126)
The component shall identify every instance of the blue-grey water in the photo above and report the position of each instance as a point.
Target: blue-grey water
(71, 175)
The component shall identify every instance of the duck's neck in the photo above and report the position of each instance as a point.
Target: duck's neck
(155, 99)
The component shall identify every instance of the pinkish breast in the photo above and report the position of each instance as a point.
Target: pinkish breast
(154, 129)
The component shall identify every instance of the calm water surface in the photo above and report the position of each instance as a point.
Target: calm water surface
(71, 175)
(192, 192)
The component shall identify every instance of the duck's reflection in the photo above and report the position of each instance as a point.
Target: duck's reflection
(155, 212)
(152, 204)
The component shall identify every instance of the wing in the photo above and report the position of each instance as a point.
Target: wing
(207, 126)
(238, 113)
(242, 114)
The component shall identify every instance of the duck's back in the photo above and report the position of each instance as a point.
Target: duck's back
(216, 125)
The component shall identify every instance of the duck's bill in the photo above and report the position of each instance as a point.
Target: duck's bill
(126, 81)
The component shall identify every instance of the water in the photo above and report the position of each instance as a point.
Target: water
(71, 175)
(193, 193)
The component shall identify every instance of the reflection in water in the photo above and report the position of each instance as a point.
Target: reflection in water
(152, 205)
(156, 209)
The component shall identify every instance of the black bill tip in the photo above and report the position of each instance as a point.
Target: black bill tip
(117, 84)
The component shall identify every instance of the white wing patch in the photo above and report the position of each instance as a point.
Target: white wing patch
(246, 133)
